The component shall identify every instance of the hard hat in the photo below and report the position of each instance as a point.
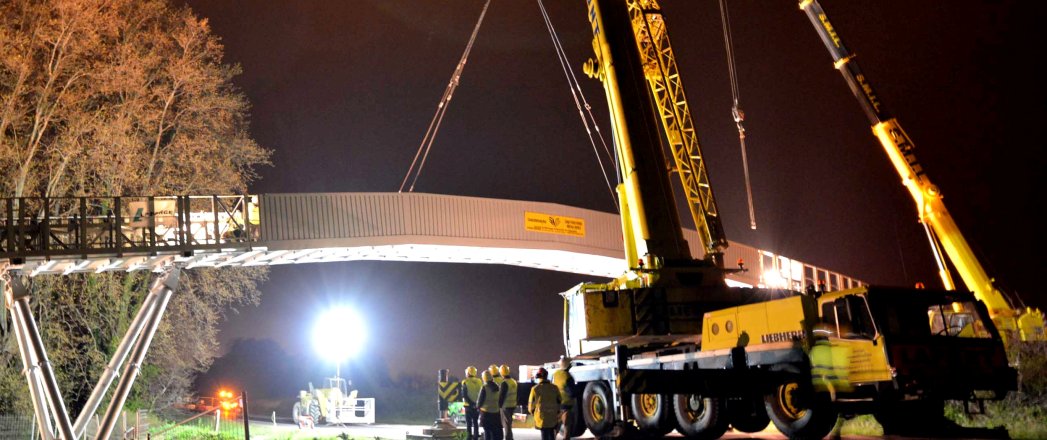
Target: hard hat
(470, 371)
(541, 374)
(486, 376)
(493, 369)
(565, 362)
(504, 369)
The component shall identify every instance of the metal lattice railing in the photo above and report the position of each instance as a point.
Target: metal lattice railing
(115, 226)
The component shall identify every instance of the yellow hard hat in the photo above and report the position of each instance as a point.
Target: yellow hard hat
(504, 369)
(493, 369)
(470, 371)
(486, 376)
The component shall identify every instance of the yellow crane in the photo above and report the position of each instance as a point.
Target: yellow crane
(947, 242)
(650, 221)
(670, 346)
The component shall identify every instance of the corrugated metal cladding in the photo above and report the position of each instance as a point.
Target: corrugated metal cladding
(316, 216)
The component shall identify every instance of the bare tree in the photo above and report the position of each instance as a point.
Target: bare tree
(121, 97)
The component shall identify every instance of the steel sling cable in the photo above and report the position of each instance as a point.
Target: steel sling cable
(736, 109)
(441, 109)
(576, 91)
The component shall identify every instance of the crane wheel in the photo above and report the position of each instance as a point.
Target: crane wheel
(799, 412)
(653, 414)
(597, 408)
(699, 417)
(574, 413)
(748, 415)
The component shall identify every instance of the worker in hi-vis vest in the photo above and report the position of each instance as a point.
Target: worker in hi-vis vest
(470, 392)
(509, 407)
(565, 382)
(490, 401)
(544, 404)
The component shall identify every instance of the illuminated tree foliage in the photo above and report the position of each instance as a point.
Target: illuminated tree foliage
(120, 97)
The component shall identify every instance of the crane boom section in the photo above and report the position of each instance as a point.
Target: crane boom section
(932, 212)
(663, 78)
(945, 234)
(650, 220)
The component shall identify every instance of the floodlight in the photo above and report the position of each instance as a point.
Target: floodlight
(339, 334)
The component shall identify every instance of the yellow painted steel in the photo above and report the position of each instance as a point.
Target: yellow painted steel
(932, 212)
(634, 219)
(946, 240)
(866, 359)
(604, 321)
(663, 77)
(664, 80)
(854, 361)
(767, 322)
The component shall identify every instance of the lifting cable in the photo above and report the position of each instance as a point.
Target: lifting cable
(441, 109)
(580, 103)
(736, 109)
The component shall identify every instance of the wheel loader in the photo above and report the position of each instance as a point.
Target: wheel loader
(334, 404)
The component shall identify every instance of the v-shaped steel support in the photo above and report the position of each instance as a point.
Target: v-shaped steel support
(48, 406)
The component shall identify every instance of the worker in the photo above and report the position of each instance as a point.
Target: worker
(470, 392)
(830, 366)
(490, 401)
(496, 374)
(509, 407)
(544, 404)
(565, 382)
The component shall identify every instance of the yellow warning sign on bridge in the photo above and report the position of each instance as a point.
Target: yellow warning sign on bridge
(554, 224)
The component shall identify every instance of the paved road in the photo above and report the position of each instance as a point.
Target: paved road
(401, 432)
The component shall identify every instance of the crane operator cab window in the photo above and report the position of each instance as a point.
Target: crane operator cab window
(958, 319)
(847, 318)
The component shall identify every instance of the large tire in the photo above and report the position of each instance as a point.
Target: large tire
(296, 411)
(577, 421)
(597, 408)
(653, 414)
(699, 417)
(747, 415)
(314, 412)
(799, 412)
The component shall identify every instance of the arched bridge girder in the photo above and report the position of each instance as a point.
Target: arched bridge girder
(77, 235)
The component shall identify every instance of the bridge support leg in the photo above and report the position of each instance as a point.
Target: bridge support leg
(162, 290)
(32, 376)
(38, 369)
(43, 387)
(111, 371)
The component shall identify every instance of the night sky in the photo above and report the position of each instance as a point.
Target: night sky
(343, 93)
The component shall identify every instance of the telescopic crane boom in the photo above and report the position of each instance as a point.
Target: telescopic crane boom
(637, 66)
(947, 242)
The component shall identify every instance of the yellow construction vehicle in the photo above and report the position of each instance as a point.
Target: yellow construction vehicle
(947, 242)
(668, 345)
(333, 404)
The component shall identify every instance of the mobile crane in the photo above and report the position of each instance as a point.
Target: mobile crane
(668, 345)
(944, 235)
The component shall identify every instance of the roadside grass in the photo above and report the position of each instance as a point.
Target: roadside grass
(200, 433)
(861, 425)
(1023, 413)
(1024, 417)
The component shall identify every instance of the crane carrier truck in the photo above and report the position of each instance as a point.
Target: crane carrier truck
(668, 345)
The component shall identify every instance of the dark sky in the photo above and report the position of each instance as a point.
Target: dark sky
(343, 92)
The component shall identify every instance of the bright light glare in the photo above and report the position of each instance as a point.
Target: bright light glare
(339, 334)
